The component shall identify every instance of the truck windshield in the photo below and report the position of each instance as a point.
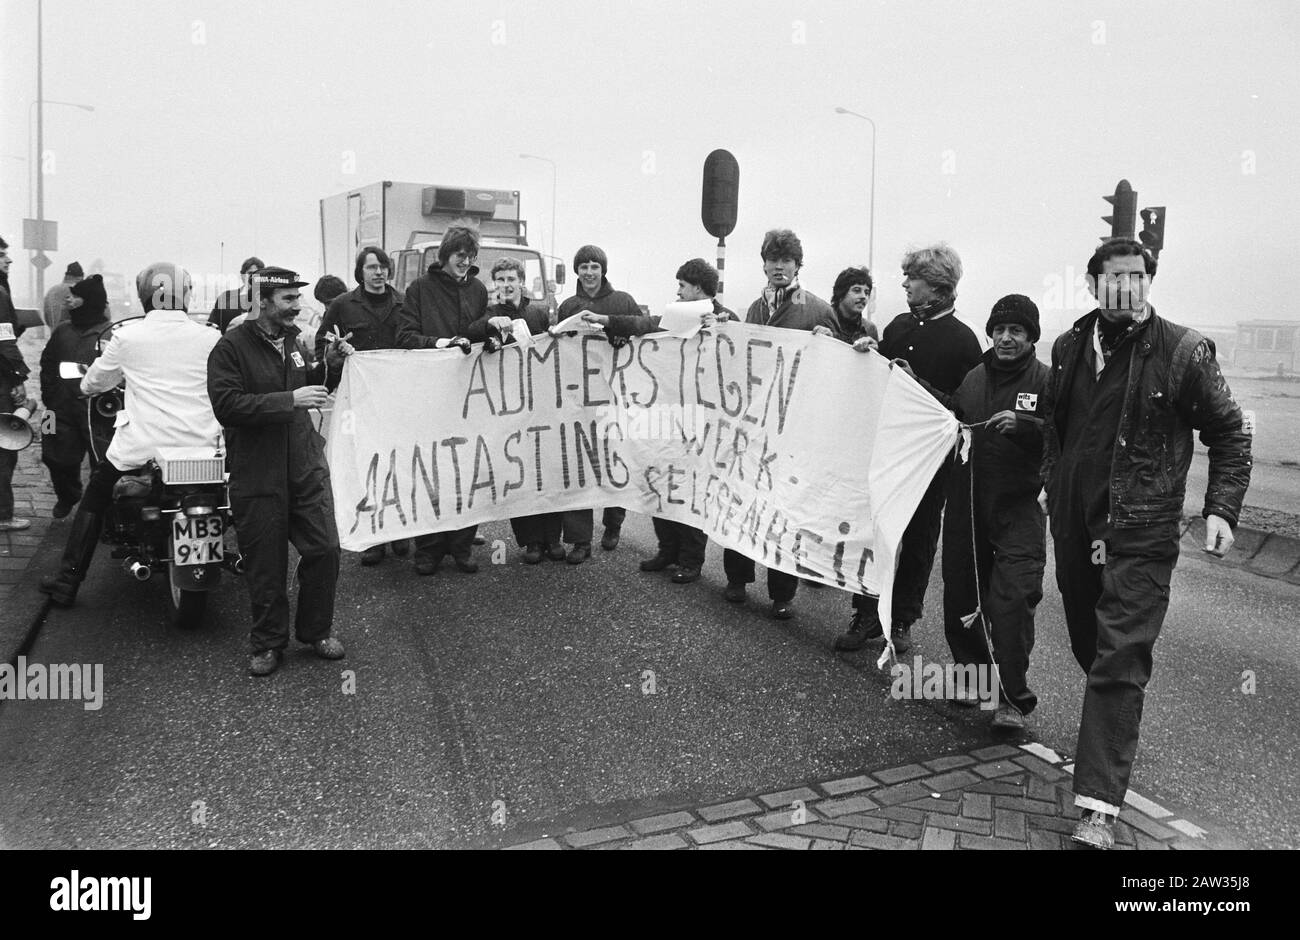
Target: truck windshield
(534, 285)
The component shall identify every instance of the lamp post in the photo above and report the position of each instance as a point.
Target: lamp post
(37, 108)
(871, 236)
(531, 156)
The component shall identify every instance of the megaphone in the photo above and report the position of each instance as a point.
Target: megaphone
(16, 429)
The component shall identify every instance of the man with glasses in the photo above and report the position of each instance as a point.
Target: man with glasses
(366, 318)
(1127, 389)
(438, 312)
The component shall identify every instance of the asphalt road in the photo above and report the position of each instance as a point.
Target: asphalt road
(521, 692)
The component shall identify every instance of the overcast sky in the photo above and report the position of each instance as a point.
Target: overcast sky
(1001, 126)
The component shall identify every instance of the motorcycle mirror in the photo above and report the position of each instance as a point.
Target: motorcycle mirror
(71, 370)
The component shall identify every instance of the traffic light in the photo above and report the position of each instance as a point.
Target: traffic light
(1123, 220)
(1153, 229)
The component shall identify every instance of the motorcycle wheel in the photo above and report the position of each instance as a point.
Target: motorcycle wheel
(186, 607)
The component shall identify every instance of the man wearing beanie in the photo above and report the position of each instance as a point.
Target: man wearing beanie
(1002, 398)
(438, 312)
(597, 296)
(238, 300)
(77, 430)
(937, 350)
(13, 391)
(56, 298)
(1127, 389)
(783, 304)
(367, 318)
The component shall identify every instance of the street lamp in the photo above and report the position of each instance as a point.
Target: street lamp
(530, 156)
(871, 243)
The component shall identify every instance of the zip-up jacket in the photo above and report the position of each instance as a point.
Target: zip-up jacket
(371, 327)
(437, 306)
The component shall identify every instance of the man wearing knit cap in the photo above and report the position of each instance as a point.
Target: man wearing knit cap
(998, 545)
(366, 318)
(77, 430)
(594, 295)
(935, 348)
(56, 298)
(1127, 390)
(238, 300)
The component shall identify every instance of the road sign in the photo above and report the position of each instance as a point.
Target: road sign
(41, 260)
(40, 235)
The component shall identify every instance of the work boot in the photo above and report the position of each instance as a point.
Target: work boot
(1007, 718)
(426, 563)
(401, 548)
(609, 541)
(658, 563)
(782, 610)
(735, 593)
(330, 647)
(466, 563)
(1096, 830)
(533, 554)
(554, 552)
(77, 555)
(580, 552)
(62, 507)
(902, 637)
(373, 555)
(686, 575)
(264, 663)
(862, 630)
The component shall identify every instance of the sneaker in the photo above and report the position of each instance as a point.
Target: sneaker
(466, 564)
(1007, 718)
(264, 663)
(372, 555)
(15, 524)
(580, 552)
(555, 552)
(1095, 829)
(862, 630)
(782, 610)
(401, 548)
(658, 563)
(426, 564)
(902, 637)
(735, 593)
(609, 541)
(329, 648)
(533, 555)
(686, 575)
(62, 508)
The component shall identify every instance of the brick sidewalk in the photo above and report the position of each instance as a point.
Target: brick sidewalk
(999, 797)
(33, 499)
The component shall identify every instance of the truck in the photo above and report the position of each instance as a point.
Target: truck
(407, 220)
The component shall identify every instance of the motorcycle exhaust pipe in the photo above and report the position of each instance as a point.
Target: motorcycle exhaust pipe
(137, 569)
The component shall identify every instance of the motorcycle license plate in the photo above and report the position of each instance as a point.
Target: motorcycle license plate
(197, 540)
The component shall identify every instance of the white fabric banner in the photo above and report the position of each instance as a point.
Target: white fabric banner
(790, 448)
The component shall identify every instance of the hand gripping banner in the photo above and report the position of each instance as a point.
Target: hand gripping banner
(790, 448)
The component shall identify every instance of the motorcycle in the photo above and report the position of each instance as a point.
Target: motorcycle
(172, 517)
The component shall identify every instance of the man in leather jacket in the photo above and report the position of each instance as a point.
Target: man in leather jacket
(1126, 391)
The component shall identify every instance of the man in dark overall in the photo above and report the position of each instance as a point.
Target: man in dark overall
(262, 382)
(1126, 391)
(998, 544)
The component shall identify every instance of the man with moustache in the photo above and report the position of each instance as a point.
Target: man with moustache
(853, 300)
(1127, 389)
(999, 544)
(366, 318)
(938, 350)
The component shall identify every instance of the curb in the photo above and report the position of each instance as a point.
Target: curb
(26, 607)
(1263, 553)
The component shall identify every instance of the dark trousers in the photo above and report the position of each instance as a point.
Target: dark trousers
(266, 525)
(681, 543)
(541, 529)
(8, 461)
(579, 524)
(740, 570)
(915, 556)
(1009, 555)
(1114, 584)
(458, 543)
(63, 451)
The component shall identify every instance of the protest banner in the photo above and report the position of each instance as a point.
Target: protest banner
(790, 448)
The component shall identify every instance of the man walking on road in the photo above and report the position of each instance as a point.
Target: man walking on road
(1127, 389)
(262, 382)
(237, 301)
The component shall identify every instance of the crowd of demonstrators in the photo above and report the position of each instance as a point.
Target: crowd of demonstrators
(445, 307)
(13, 391)
(595, 295)
(57, 297)
(237, 301)
(76, 431)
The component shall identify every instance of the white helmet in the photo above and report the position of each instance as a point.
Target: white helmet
(164, 286)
